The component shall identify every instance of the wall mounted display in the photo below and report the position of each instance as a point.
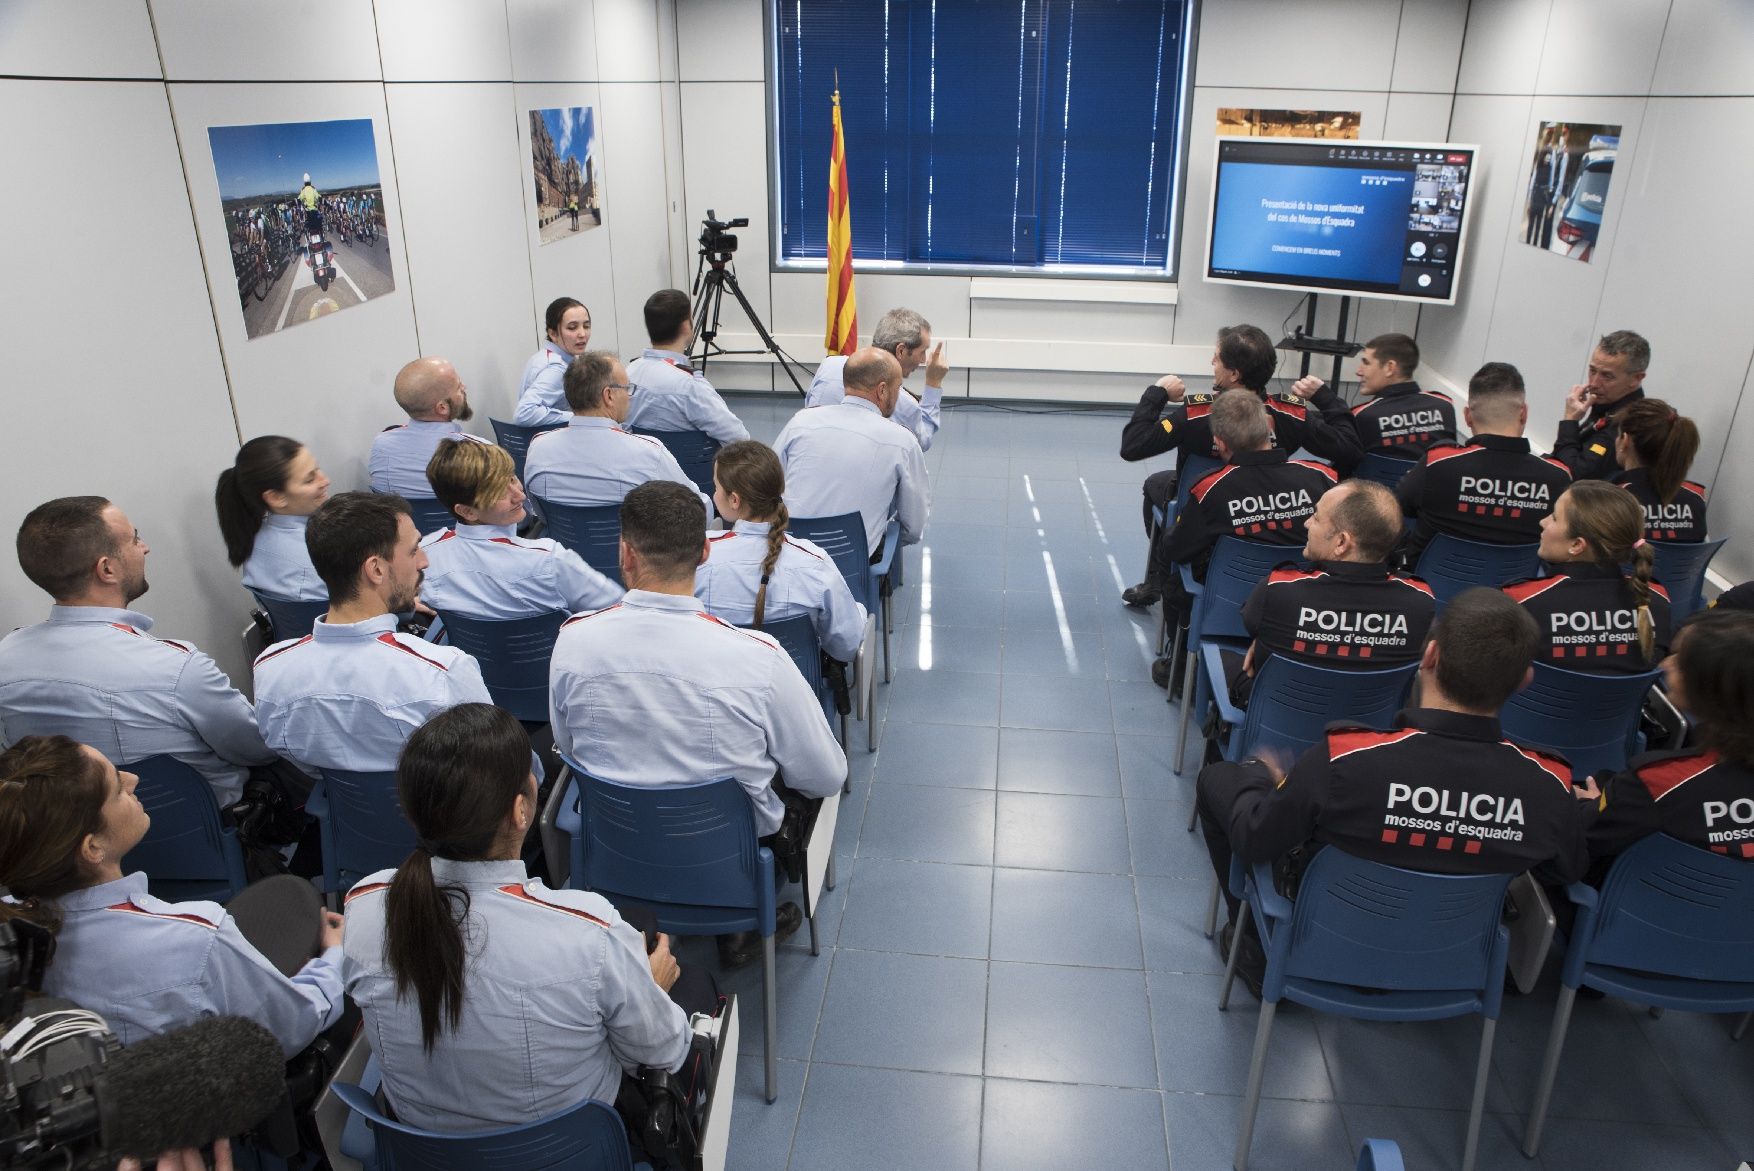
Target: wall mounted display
(304, 218)
(568, 171)
(1567, 189)
(1234, 122)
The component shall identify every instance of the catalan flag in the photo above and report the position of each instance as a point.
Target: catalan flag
(843, 306)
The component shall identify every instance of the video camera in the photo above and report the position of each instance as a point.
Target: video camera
(715, 242)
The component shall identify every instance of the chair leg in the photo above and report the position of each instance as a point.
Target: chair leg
(888, 665)
(1181, 742)
(1251, 1102)
(828, 874)
(1478, 1108)
(1193, 817)
(770, 1015)
(1242, 921)
(1741, 1026)
(1212, 912)
(1549, 1070)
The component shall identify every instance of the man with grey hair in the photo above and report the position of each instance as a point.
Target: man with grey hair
(908, 336)
(1591, 425)
(592, 461)
(437, 403)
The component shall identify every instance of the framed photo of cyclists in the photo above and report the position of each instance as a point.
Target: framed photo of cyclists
(568, 171)
(304, 218)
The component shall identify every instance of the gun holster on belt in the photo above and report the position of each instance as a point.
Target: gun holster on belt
(665, 1111)
(788, 842)
(834, 673)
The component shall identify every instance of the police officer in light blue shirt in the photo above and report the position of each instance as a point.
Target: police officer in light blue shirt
(263, 501)
(908, 336)
(541, 399)
(94, 672)
(437, 403)
(480, 567)
(668, 394)
(349, 694)
(592, 461)
(67, 820)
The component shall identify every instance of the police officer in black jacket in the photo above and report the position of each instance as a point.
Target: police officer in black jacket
(1442, 791)
(1398, 418)
(1591, 425)
(1492, 488)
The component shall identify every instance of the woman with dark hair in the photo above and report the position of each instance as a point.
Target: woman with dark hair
(1656, 449)
(1703, 795)
(541, 397)
(1593, 615)
(264, 501)
(758, 572)
(490, 1000)
(67, 819)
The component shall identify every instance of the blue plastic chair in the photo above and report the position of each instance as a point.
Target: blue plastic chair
(516, 439)
(1375, 943)
(843, 539)
(362, 826)
(188, 851)
(589, 1135)
(1672, 927)
(798, 637)
(1591, 720)
(429, 515)
(1236, 568)
(591, 531)
(1383, 469)
(1681, 566)
(1450, 565)
(694, 450)
(513, 655)
(288, 618)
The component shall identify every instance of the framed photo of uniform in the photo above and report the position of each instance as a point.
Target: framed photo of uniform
(1567, 189)
(567, 171)
(304, 218)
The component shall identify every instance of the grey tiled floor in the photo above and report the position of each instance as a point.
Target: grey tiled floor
(1012, 974)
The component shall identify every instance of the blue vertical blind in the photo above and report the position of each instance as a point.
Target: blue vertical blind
(1006, 133)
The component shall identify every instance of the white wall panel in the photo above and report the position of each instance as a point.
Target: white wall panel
(724, 139)
(720, 40)
(1708, 48)
(1347, 45)
(444, 40)
(1428, 47)
(627, 36)
(1732, 488)
(1501, 51)
(553, 40)
(77, 38)
(1602, 47)
(114, 385)
(631, 131)
(325, 381)
(464, 226)
(222, 40)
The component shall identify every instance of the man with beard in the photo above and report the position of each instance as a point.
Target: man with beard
(437, 403)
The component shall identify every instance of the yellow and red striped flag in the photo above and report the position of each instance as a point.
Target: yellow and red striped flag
(843, 306)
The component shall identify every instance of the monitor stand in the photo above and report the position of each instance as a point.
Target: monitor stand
(1304, 340)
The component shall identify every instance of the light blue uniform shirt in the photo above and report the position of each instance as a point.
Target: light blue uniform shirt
(348, 696)
(400, 455)
(147, 966)
(491, 573)
(542, 395)
(279, 564)
(558, 1000)
(849, 458)
(591, 461)
(95, 674)
(656, 691)
(670, 395)
(804, 581)
(920, 415)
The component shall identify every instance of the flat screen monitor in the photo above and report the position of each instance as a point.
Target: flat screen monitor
(1369, 219)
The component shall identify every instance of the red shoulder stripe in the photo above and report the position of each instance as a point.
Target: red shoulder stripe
(717, 621)
(1437, 455)
(1522, 591)
(1408, 579)
(1324, 469)
(266, 655)
(513, 542)
(181, 646)
(1665, 776)
(589, 614)
(446, 535)
(1554, 766)
(1361, 408)
(370, 888)
(389, 639)
(1660, 590)
(1696, 489)
(1347, 741)
(1282, 576)
(800, 547)
(519, 893)
(1557, 463)
(1211, 481)
(1197, 411)
(183, 917)
(126, 629)
(721, 537)
(1295, 410)
(1438, 394)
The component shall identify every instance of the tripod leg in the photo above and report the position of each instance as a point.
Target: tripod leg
(761, 331)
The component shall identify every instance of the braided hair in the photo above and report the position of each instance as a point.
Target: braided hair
(750, 469)
(1611, 521)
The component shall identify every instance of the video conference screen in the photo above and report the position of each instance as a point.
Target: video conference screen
(1370, 219)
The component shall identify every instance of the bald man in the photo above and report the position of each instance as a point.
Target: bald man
(851, 456)
(437, 403)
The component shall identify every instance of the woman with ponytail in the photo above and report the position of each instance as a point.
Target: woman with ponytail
(1656, 449)
(264, 501)
(1593, 615)
(490, 1000)
(68, 818)
(757, 572)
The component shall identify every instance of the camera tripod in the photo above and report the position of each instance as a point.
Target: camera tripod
(712, 276)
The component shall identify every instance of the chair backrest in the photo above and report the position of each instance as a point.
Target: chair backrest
(289, 618)
(590, 1135)
(798, 637)
(1237, 567)
(1369, 925)
(1450, 565)
(362, 824)
(1680, 566)
(592, 531)
(1383, 469)
(1197, 468)
(516, 439)
(429, 515)
(1591, 720)
(694, 450)
(1292, 702)
(187, 843)
(843, 539)
(513, 655)
(1675, 909)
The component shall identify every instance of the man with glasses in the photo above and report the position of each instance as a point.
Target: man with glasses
(592, 461)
